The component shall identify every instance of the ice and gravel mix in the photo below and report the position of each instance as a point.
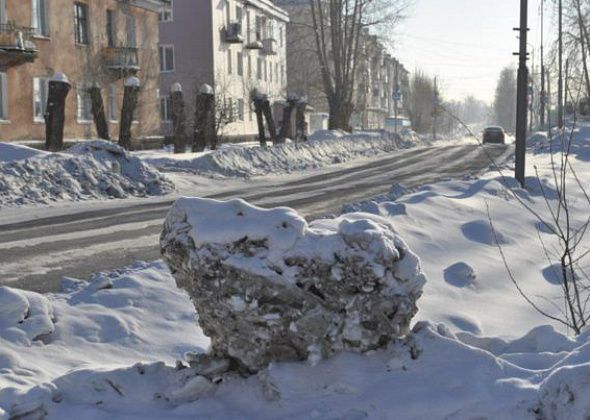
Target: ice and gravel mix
(269, 287)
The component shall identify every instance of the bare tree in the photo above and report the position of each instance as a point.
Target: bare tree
(339, 27)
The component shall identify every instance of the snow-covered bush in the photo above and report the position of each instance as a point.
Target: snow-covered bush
(269, 287)
(24, 316)
(97, 169)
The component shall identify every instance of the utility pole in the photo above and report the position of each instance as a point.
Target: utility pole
(549, 99)
(543, 92)
(522, 93)
(396, 96)
(532, 94)
(560, 76)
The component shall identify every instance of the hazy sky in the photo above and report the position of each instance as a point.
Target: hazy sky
(466, 43)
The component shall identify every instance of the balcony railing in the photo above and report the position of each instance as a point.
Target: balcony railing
(16, 45)
(232, 34)
(122, 59)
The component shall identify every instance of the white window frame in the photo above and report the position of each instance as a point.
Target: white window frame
(167, 13)
(4, 97)
(40, 93)
(40, 18)
(163, 58)
(83, 98)
(165, 114)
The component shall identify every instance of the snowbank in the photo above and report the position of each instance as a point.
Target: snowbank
(11, 152)
(269, 287)
(327, 148)
(97, 169)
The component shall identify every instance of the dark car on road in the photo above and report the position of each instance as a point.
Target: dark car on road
(494, 134)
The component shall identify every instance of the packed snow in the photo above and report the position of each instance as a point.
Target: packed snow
(323, 149)
(89, 170)
(477, 350)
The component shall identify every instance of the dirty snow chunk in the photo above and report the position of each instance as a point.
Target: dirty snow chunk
(97, 169)
(24, 316)
(269, 287)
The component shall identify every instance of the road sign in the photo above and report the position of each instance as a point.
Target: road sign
(397, 96)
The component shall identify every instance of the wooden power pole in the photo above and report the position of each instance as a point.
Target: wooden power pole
(522, 93)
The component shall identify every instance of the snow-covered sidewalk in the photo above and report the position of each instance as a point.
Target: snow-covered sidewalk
(478, 349)
(322, 149)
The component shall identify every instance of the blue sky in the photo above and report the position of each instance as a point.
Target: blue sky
(466, 43)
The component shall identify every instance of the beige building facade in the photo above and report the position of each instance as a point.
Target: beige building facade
(235, 46)
(90, 41)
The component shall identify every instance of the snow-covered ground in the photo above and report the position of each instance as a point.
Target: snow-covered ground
(482, 351)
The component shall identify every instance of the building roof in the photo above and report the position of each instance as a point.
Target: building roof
(270, 8)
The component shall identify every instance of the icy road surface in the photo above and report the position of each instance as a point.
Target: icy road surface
(38, 249)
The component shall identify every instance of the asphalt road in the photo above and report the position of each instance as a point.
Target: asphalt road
(36, 254)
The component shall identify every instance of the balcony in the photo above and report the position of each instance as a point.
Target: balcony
(122, 59)
(269, 46)
(16, 45)
(232, 34)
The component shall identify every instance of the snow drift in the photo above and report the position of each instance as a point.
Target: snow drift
(269, 287)
(97, 169)
(323, 150)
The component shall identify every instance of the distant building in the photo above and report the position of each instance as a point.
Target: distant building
(234, 46)
(377, 72)
(380, 76)
(92, 42)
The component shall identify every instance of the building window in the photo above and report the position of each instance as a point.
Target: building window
(111, 28)
(259, 68)
(277, 72)
(40, 88)
(239, 14)
(39, 18)
(84, 113)
(229, 70)
(131, 31)
(3, 17)
(81, 23)
(165, 115)
(241, 109)
(113, 102)
(249, 66)
(265, 71)
(167, 13)
(166, 58)
(3, 96)
(240, 64)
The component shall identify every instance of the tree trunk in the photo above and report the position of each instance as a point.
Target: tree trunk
(200, 128)
(98, 113)
(340, 113)
(300, 131)
(260, 121)
(286, 123)
(130, 97)
(270, 122)
(55, 115)
(178, 121)
(212, 126)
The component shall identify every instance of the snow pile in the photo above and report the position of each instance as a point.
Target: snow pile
(136, 314)
(253, 161)
(10, 152)
(97, 169)
(269, 287)
(430, 374)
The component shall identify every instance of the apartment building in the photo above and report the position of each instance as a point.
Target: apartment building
(234, 46)
(380, 75)
(92, 42)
